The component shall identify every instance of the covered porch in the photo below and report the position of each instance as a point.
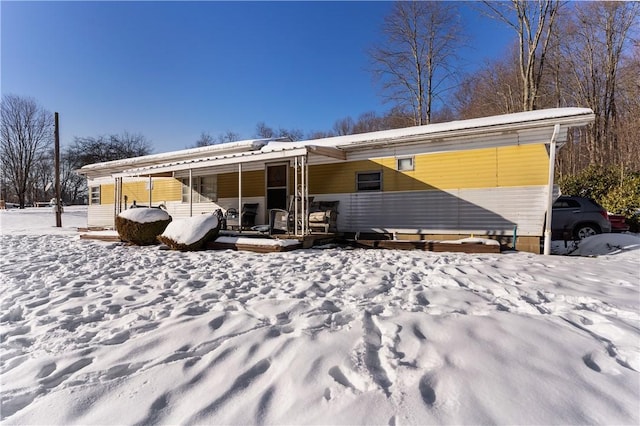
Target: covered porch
(270, 181)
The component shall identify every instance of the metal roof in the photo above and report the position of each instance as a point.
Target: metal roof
(441, 134)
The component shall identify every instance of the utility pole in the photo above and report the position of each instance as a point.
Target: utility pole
(58, 206)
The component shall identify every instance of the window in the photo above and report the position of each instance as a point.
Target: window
(566, 204)
(404, 164)
(369, 181)
(204, 189)
(94, 195)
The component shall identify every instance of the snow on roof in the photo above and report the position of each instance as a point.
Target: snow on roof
(242, 150)
(218, 149)
(345, 142)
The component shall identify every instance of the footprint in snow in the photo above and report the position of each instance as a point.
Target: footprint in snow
(216, 323)
(46, 370)
(426, 390)
(118, 338)
(339, 377)
(62, 375)
(590, 362)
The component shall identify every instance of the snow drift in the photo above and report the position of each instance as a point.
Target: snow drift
(105, 333)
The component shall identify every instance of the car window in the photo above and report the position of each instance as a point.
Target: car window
(560, 204)
(573, 203)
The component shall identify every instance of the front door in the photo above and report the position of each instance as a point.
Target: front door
(277, 186)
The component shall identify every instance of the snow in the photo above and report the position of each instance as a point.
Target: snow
(106, 333)
(432, 129)
(190, 230)
(473, 240)
(217, 149)
(603, 244)
(144, 215)
(256, 241)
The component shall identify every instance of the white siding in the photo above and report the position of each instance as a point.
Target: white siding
(487, 211)
(100, 215)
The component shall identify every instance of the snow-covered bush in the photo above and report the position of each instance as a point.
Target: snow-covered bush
(142, 226)
(191, 233)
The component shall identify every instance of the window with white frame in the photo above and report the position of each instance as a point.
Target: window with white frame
(404, 164)
(94, 195)
(369, 181)
(204, 189)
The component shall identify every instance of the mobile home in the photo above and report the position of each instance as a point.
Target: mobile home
(489, 177)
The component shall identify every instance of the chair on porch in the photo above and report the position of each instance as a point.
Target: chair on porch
(283, 221)
(279, 222)
(323, 216)
(245, 220)
(231, 218)
(248, 216)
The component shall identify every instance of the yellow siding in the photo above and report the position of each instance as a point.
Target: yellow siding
(106, 194)
(338, 178)
(164, 189)
(523, 165)
(252, 184)
(481, 168)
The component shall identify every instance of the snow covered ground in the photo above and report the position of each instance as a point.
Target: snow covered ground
(103, 333)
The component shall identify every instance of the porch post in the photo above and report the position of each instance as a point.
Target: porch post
(295, 195)
(115, 199)
(239, 196)
(306, 193)
(303, 197)
(150, 190)
(190, 192)
(552, 165)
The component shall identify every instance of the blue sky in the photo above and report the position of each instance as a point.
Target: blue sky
(172, 70)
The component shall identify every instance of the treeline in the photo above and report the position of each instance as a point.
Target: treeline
(584, 54)
(26, 147)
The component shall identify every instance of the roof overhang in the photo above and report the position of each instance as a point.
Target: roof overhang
(529, 127)
(223, 160)
(484, 128)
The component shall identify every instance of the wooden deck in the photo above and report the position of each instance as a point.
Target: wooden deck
(308, 241)
(256, 248)
(259, 247)
(435, 246)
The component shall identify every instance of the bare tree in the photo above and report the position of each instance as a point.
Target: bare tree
(205, 140)
(73, 187)
(491, 90)
(534, 22)
(415, 63)
(88, 150)
(595, 39)
(26, 131)
(343, 126)
(266, 132)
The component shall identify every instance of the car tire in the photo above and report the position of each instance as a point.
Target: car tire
(585, 231)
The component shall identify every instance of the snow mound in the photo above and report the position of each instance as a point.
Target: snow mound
(145, 215)
(142, 226)
(190, 233)
(603, 244)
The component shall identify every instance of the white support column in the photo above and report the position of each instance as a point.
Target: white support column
(115, 199)
(306, 195)
(295, 196)
(552, 165)
(303, 196)
(239, 196)
(190, 192)
(150, 190)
